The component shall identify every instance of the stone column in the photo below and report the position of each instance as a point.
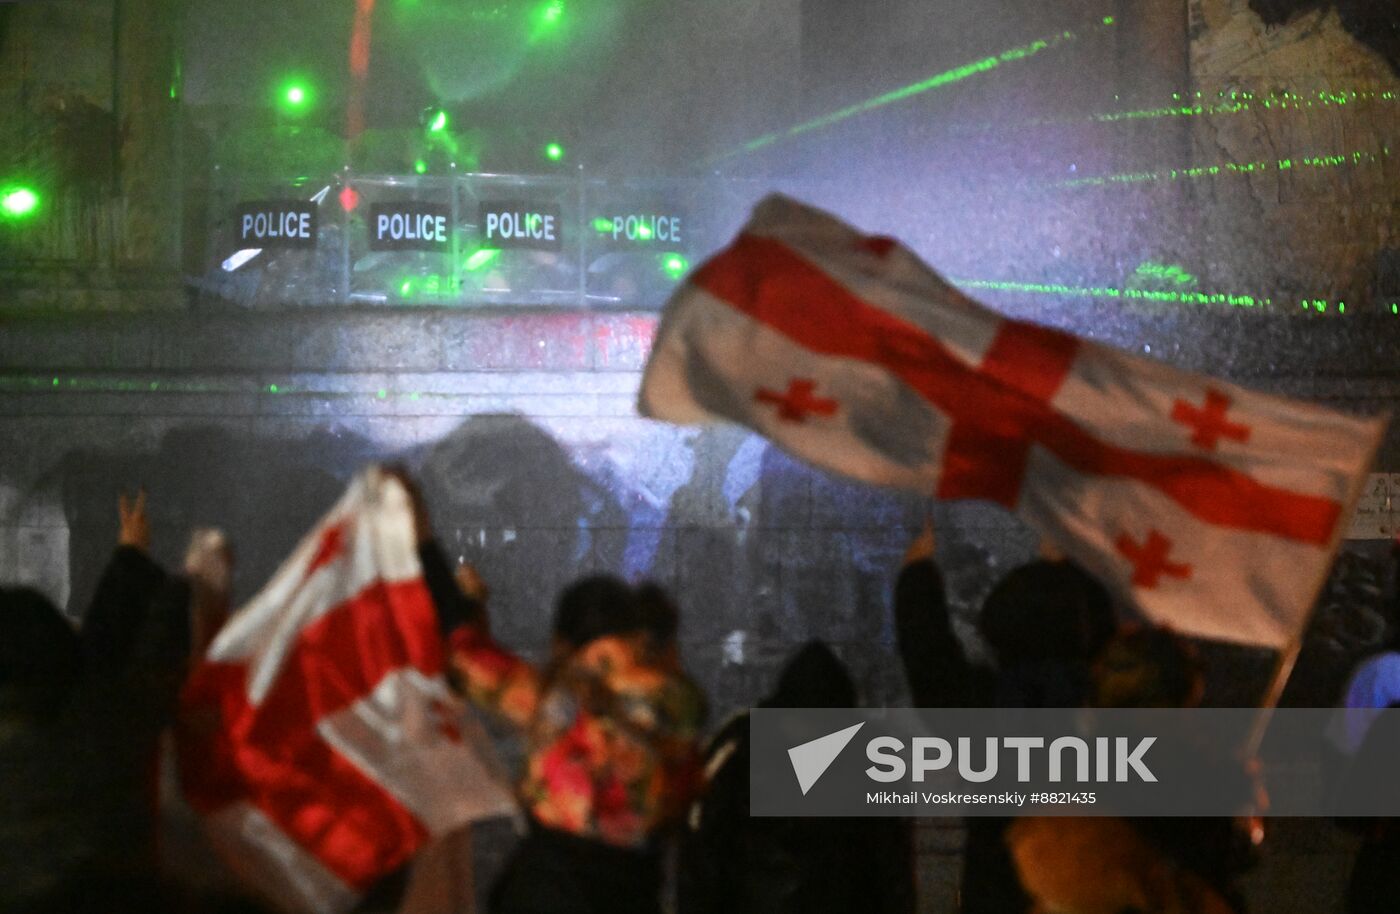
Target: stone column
(147, 34)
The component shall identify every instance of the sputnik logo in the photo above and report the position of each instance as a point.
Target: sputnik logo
(811, 759)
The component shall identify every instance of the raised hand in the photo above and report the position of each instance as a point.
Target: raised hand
(472, 583)
(924, 545)
(135, 530)
(209, 560)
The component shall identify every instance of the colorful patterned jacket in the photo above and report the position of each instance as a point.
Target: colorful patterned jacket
(611, 736)
(611, 739)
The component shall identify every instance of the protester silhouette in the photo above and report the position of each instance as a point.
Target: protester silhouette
(733, 863)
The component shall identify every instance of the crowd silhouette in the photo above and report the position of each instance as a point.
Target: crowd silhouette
(627, 805)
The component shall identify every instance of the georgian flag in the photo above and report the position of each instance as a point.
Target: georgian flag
(319, 741)
(1212, 508)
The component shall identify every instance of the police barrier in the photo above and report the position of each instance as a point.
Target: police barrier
(463, 239)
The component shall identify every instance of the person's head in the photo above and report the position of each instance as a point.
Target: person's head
(1147, 667)
(660, 618)
(40, 655)
(592, 608)
(1047, 611)
(814, 678)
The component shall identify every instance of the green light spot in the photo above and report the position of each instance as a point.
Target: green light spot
(18, 202)
(480, 258)
(272, 388)
(420, 167)
(382, 393)
(1167, 273)
(1394, 308)
(554, 152)
(1108, 20)
(545, 20)
(438, 123)
(674, 265)
(55, 382)
(406, 288)
(602, 225)
(294, 97)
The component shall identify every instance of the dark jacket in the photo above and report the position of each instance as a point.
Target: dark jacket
(734, 863)
(77, 782)
(941, 676)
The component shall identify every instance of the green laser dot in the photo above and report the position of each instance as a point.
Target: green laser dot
(18, 202)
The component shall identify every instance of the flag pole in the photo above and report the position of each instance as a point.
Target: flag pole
(1283, 669)
(1288, 657)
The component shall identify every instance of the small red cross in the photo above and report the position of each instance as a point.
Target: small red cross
(331, 547)
(1150, 560)
(443, 716)
(798, 403)
(1209, 423)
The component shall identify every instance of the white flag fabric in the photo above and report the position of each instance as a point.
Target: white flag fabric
(1212, 508)
(320, 743)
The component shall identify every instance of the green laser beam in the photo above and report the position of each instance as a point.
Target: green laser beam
(1352, 159)
(1223, 104)
(1152, 295)
(937, 81)
(1237, 102)
(1311, 305)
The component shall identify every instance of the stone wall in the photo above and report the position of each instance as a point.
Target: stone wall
(522, 424)
(1319, 113)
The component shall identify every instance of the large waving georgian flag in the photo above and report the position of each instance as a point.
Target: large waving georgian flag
(1213, 508)
(319, 740)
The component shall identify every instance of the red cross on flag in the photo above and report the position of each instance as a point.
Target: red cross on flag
(1212, 508)
(320, 743)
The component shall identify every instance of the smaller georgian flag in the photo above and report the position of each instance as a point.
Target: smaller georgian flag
(320, 743)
